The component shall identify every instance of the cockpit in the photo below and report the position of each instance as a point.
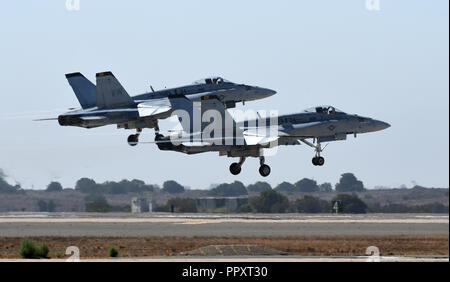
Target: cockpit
(212, 80)
(328, 110)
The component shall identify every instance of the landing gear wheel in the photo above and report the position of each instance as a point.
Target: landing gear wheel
(158, 137)
(264, 170)
(235, 168)
(133, 139)
(320, 161)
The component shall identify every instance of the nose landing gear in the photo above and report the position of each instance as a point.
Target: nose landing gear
(317, 160)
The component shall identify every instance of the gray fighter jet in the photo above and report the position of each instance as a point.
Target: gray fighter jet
(250, 138)
(108, 102)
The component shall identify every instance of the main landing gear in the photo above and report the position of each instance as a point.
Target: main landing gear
(235, 168)
(317, 160)
(264, 170)
(133, 139)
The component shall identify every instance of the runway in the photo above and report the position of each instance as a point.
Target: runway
(143, 225)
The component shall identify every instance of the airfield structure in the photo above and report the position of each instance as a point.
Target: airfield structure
(220, 204)
(139, 205)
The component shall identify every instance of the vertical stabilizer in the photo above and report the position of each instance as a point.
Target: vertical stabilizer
(83, 88)
(110, 93)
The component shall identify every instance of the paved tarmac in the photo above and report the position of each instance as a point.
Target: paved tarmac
(145, 225)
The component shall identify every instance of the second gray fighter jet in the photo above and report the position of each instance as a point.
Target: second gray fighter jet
(108, 102)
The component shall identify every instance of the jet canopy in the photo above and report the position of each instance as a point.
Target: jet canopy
(212, 80)
(325, 109)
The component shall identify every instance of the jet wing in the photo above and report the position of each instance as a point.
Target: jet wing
(262, 135)
(154, 107)
(203, 109)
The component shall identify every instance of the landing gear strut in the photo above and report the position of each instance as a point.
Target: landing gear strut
(317, 160)
(133, 139)
(235, 168)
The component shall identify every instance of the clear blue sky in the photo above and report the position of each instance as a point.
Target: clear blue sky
(391, 64)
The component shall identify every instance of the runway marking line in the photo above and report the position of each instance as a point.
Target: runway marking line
(194, 222)
(228, 220)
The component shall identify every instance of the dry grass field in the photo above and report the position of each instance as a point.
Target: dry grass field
(97, 247)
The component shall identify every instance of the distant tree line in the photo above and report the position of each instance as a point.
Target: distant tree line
(5, 187)
(54, 187)
(268, 200)
(347, 183)
(45, 206)
(271, 201)
(172, 187)
(236, 188)
(87, 185)
(400, 208)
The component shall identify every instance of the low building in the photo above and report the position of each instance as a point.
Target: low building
(139, 205)
(220, 204)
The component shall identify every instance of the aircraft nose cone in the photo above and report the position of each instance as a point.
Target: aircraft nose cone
(268, 92)
(381, 125)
